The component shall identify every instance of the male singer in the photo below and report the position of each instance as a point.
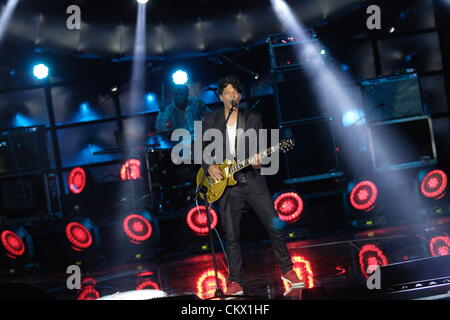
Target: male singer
(251, 187)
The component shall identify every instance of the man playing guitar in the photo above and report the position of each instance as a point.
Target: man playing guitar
(251, 187)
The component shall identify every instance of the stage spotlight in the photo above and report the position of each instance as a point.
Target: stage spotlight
(150, 97)
(197, 220)
(440, 246)
(206, 284)
(370, 258)
(151, 102)
(303, 269)
(323, 52)
(146, 285)
(131, 170)
(142, 1)
(363, 196)
(86, 113)
(289, 206)
(82, 234)
(433, 184)
(362, 205)
(145, 282)
(431, 188)
(40, 71)
(180, 77)
(392, 30)
(353, 117)
(17, 244)
(21, 120)
(76, 180)
(138, 227)
(88, 290)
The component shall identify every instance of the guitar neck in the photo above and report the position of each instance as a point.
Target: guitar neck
(243, 164)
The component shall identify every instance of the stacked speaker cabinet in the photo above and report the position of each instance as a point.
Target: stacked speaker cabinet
(28, 190)
(302, 113)
(400, 131)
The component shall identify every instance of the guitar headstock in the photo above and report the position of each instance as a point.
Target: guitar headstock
(287, 144)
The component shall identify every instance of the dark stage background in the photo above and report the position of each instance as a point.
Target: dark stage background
(81, 115)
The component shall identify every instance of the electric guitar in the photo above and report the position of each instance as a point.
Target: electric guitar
(215, 188)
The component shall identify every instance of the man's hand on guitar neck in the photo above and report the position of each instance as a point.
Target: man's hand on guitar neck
(215, 172)
(255, 161)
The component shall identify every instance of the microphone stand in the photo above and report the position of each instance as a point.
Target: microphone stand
(218, 293)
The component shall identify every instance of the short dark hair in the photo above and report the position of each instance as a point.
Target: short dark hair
(229, 80)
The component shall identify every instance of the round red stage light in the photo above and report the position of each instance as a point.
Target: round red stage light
(289, 206)
(434, 184)
(440, 246)
(76, 180)
(197, 220)
(364, 196)
(131, 170)
(206, 284)
(79, 236)
(12, 243)
(302, 268)
(88, 291)
(147, 284)
(137, 228)
(371, 257)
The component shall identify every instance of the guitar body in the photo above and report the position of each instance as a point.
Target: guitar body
(215, 189)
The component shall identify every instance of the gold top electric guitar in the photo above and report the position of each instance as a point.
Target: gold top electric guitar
(215, 188)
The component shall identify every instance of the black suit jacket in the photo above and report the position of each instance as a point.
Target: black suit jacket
(246, 120)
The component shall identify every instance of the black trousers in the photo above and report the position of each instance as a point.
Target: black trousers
(231, 206)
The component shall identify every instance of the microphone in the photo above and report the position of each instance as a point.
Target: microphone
(233, 103)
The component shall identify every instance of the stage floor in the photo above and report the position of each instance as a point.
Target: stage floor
(324, 263)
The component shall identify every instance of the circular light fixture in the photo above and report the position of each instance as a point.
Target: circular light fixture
(440, 246)
(88, 291)
(17, 244)
(79, 235)
(147, 284)
(76, 180)
(197, 220)
(289, 206)
(364, 196)
(302, 268)
(131, 170)
(142, 1)
(434, 184)
(40, 71)
(180, 77)
(12, 243)
(371, 257)
(137, 228)
(206, 283)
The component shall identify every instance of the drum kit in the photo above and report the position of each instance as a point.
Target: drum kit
(170, 187)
